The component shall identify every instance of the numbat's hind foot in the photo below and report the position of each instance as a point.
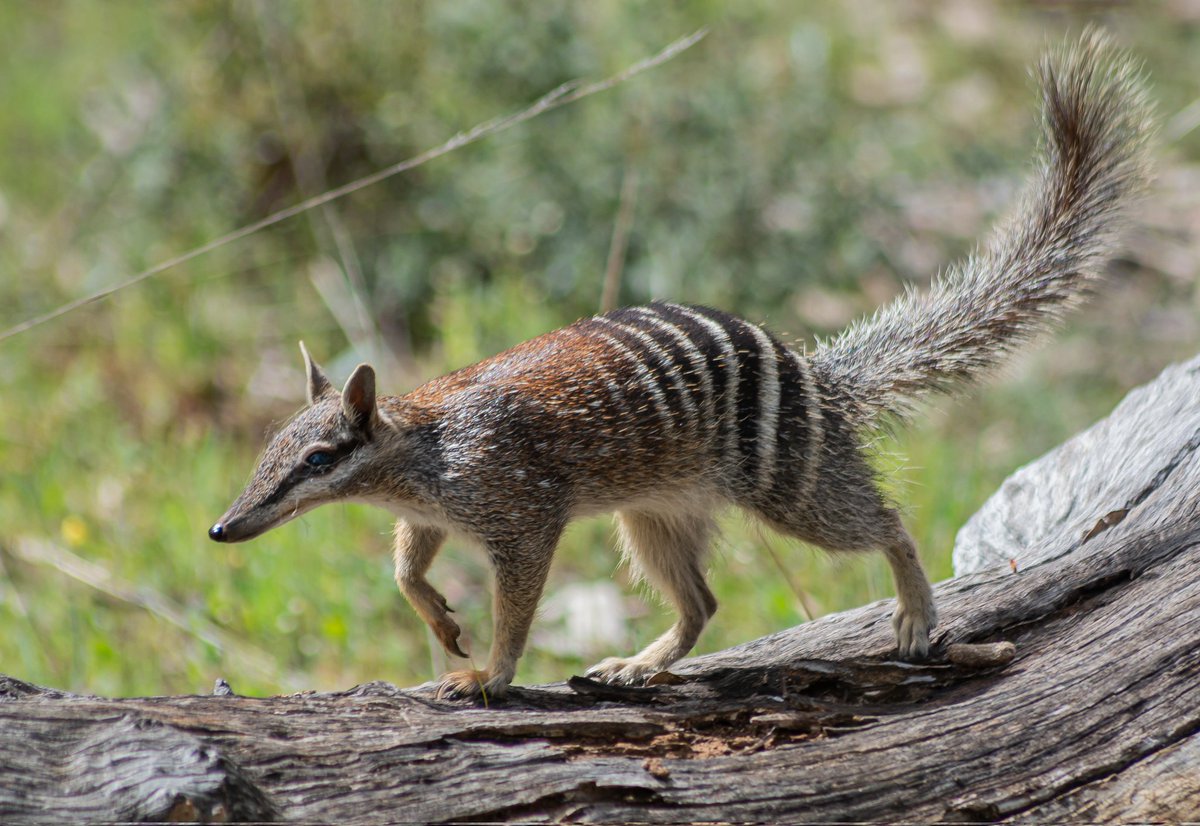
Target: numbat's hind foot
(912, 633)
(624, 671)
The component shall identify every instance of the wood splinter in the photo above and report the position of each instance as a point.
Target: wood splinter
(981, 655)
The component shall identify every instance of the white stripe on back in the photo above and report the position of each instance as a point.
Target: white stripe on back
(768, 405)
(721, 336)
(816, 424)
(699, 362)
(644, 375)
(672, 369)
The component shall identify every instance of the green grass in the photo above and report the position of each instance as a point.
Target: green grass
(798, 167)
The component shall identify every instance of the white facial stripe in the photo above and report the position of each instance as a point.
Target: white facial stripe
(731, 382)
(768, 405)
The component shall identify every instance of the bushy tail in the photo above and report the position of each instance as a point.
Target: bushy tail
(1036, 266)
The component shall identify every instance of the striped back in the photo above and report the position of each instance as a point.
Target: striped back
(720, 385)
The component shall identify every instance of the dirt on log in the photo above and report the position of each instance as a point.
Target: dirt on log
(1097, 718)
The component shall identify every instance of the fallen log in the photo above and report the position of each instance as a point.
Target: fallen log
(1085, 570)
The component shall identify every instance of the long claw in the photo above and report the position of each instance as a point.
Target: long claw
(447, 632)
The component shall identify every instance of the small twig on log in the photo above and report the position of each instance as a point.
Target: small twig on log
(981, 655)
(565, 94)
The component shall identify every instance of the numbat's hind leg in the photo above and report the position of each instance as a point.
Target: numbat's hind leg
(915, 614)
(851, 515)
(670, 551)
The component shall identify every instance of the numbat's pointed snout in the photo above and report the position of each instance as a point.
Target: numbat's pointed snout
(217, 533)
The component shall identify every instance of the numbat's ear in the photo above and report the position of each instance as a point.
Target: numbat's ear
(358, 397)
(318, 384)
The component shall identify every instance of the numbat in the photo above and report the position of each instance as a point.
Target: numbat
(665, 412)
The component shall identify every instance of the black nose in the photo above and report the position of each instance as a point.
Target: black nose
(217, 532)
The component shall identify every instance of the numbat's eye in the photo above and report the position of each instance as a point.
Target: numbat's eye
(319, 458)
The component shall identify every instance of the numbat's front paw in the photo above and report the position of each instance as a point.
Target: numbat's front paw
(472, 685)
(912, 632)
(447, 632)
(622, 671)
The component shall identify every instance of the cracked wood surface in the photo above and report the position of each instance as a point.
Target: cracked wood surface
(1096, 719)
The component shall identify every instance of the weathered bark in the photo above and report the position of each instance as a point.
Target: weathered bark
(1097, 717)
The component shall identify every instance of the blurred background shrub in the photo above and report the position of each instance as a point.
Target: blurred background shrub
(800, 166)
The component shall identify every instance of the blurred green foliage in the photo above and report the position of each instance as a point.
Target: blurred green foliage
(799, 166)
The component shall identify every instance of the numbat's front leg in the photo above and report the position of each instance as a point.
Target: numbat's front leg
(520, 577)
(415, 548)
